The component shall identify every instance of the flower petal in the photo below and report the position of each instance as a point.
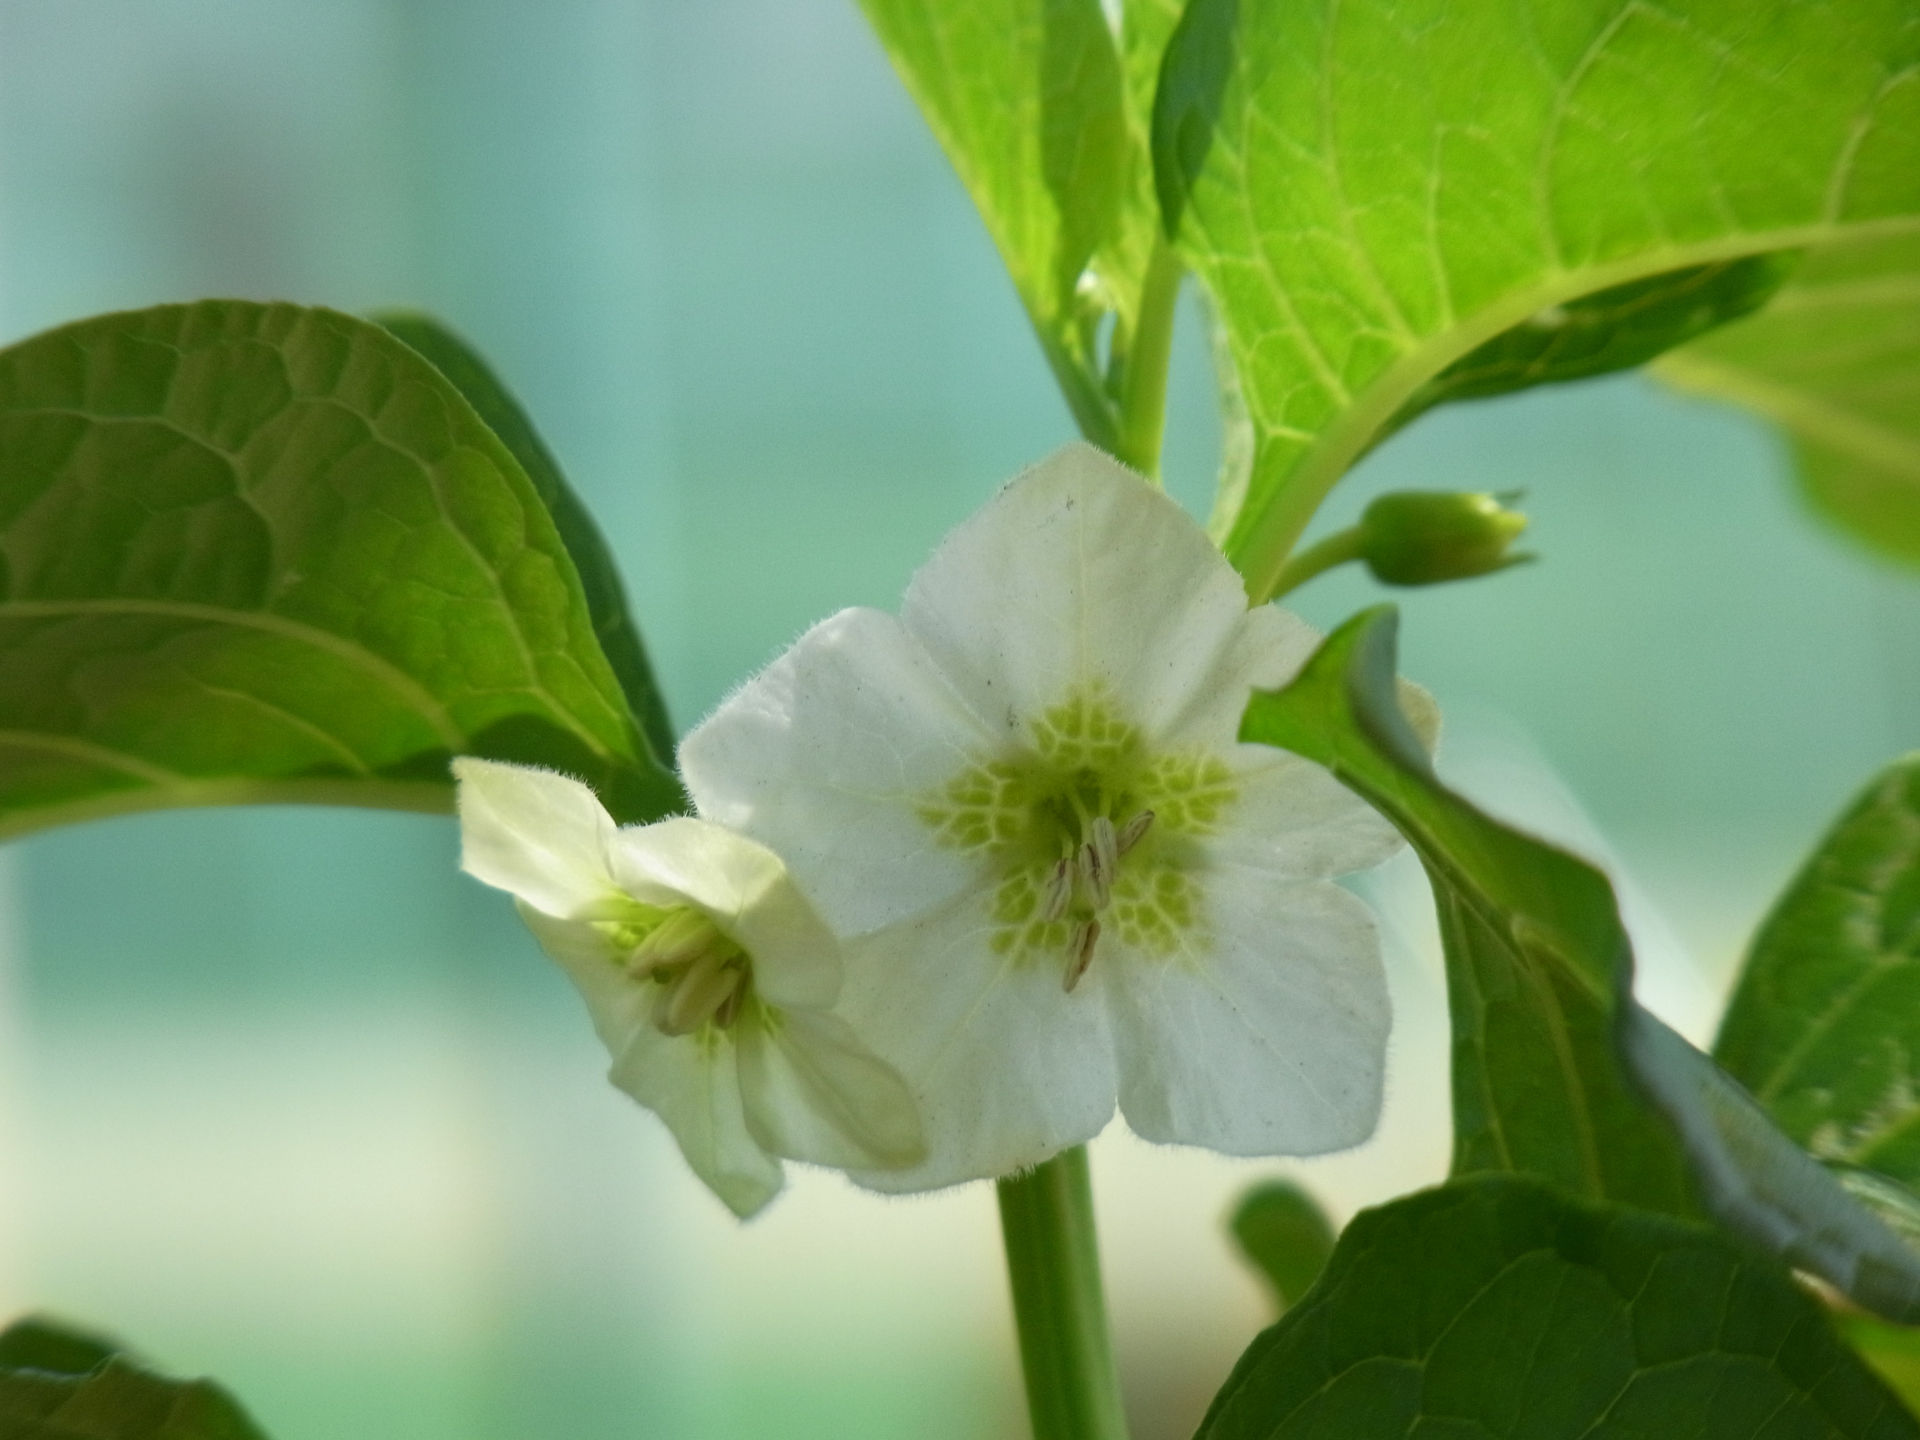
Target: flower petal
(1274, 1042)
(1291, 817)
(693, 1084)
(537, 834)
(619, 1005)
(745, 889)
(1008, 1069)
(1078, 573)
(814, 1092)
(827, 755)
(1266, 650)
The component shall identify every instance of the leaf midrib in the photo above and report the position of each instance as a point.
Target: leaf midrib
(417, 696)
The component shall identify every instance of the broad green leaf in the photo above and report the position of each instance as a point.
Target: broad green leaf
(1824, 1025)
(1497, 1307)
(1046, 124)
(1376, 190)
(1554, 1065)
(1835, 359)
(599, 576)
(1285, 1235)
(63, 1384)
(263, 553)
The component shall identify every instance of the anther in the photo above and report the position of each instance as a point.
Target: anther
(1105, 844)
(1097, 870)
(1059, 890)
(693, 997)
(1084, 939)
(682, 936)
(1133, 831)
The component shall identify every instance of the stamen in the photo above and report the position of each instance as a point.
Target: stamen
(693, 997)
(682, 936)
(1097, 871)
(1059, 890)
(1084, 939)
(1105, 844)
(1134, 831)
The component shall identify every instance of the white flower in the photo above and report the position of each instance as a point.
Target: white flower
(707, 975)
(1066, 881)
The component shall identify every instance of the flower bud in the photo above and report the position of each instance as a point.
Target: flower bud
(1421, 537)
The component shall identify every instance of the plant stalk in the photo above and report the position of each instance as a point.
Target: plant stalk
(1337, 549)
(1066, 1353)
(1143, 394)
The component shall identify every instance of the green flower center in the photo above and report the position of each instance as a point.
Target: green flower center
(1090, 831)
(703, 979)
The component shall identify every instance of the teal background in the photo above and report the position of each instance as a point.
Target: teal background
(285, 1098)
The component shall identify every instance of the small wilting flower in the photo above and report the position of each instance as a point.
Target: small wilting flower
(707, 975)
(1064, 880)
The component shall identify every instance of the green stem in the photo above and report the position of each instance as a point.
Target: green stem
(1143, 393)
(1337, 549)
(1046, 1218)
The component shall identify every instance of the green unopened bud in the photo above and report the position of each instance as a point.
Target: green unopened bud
(1421, 537)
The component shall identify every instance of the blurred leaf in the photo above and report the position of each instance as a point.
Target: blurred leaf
(1891, 1351)
(60, 1383)
(1824, 1025)
(40, 1343)
(263, 553)
(1494, 1306)
(1835, 359)
(1027, 97)
(599, 575)
(1382, 193)
(1285, 1235)
(1553, 1062)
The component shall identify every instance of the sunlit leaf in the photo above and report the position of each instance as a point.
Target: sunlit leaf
(1835, 359)
(262, 553)
(1045, 113)
(1494, 1306)
(1824, 1025)
(1556, 1071)
(599, 575)
(1375, 191)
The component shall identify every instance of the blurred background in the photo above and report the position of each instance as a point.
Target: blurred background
(285, 1099)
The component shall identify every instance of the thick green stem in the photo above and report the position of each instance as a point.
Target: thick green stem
(1143, 394)
(1046, 1217)
(1337, 549)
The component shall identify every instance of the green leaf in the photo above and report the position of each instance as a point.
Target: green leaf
(263, 553)
(1891, 1351)
(40, 1343)
(1536, 952)
(1285, 1236)
(1383, 193)
(1495, 1306)
(58, 1383)
(1556, 1071)
(606, 596)
(1835, 360)
(1031, 101)
(1824, 1025)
